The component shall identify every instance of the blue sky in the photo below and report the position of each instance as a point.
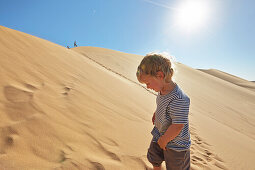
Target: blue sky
(225, 40)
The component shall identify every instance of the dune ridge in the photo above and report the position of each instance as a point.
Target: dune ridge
(83, 108)
(231, 78)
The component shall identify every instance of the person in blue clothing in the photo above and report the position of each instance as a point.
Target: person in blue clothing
(171, 137)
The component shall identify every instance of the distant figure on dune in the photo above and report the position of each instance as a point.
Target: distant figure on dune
(171, 137)
(68, 47)
(74, 44)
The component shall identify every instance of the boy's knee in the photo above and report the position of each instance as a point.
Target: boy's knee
(155, 155)
(155, 163)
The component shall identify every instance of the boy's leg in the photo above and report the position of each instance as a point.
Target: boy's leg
(155, 155)
(177, 160)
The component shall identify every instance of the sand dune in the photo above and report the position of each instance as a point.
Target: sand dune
(216, 106)
(230, 78)
(123, 63)
(60, 110)
(84, 109)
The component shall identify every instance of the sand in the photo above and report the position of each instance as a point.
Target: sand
(82, 108)
(231, 78)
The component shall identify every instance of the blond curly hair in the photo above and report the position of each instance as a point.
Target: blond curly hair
(153, 63)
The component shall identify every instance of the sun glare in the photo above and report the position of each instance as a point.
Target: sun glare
(191, 15)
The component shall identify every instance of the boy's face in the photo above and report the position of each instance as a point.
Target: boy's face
(152, 82)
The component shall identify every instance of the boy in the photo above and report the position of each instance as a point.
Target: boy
(171, 137)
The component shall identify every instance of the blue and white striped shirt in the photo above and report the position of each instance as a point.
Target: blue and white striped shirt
(173, 108)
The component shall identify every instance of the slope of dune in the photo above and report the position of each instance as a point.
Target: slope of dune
(230, 78)
(83, 108)
(222, 114)
(123, 63)
(60, 110)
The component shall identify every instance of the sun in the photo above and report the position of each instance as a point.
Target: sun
(192, 15)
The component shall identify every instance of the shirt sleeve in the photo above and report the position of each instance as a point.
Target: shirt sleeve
(179, 111)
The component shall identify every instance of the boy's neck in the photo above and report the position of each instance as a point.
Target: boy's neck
(167, 88)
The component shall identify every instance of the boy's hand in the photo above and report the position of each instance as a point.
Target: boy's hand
(153, 118)
(162, 142)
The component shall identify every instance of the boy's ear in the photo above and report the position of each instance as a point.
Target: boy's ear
(160, 74)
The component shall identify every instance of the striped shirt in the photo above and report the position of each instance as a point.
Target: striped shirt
(173, 108)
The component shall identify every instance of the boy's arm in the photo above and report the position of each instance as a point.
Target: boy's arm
(153, 118)
(172, 131)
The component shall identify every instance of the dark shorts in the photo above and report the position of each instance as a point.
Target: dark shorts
(174, 160)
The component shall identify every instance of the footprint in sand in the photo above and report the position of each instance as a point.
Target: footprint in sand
(66, 90)
(97, 165)
(20, 104)
(8, 137)
(17, 95)
(30, 86)
(105, 146)
(201, 156)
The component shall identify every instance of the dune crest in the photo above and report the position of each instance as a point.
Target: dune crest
(231, 78)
